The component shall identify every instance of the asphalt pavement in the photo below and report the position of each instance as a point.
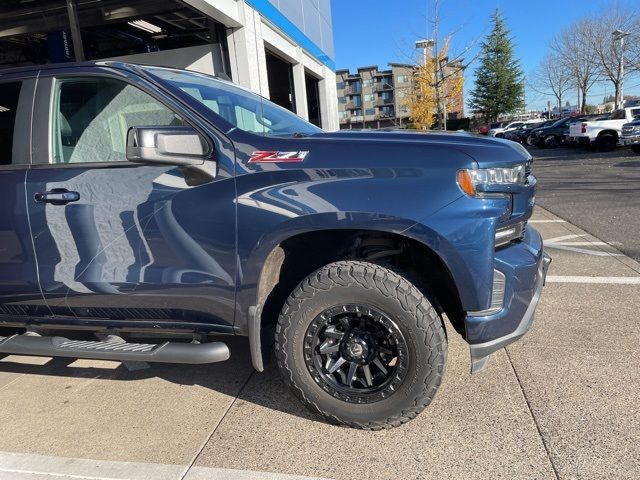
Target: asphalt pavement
(562, 403)
(599, 192)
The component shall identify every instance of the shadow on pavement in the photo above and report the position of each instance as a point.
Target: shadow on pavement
(265, 389)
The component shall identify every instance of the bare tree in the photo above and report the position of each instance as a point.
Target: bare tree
(606, 34)
(552, 78)
(438, 78)
(575, 51)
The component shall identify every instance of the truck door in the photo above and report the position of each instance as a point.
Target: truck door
(117, 242)
(20, 294)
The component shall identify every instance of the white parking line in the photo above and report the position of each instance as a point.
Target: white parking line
(21, 466)
(547, 221)
(596, 280)
(561, 243)
(563, 238)
(595, 253)
(587, 243)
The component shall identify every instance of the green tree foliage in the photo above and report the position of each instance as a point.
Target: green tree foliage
(499, 81)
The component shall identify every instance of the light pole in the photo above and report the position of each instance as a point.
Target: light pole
(442, 63)
(619, 35)
(426, 45)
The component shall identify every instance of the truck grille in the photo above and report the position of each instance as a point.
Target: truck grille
(627, 130)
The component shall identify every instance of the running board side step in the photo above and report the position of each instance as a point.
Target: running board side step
(167, 352)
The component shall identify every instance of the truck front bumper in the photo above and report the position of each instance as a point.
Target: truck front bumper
(524, 266)
(629, 140)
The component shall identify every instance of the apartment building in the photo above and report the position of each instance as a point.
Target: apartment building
(373, 98)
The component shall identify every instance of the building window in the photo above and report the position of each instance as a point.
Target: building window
(342, 100)
(357, 100)
(368, 82)
(369, 97)
(402, 78)
(386, 111)
(340, 85)
(369, 111)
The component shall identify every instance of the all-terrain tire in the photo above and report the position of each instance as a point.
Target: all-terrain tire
(381, 288)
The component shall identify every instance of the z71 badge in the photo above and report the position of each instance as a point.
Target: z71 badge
(275, 157)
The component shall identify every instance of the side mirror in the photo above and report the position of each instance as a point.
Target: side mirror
(181, 146)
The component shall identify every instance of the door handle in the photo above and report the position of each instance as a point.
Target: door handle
(57, 196)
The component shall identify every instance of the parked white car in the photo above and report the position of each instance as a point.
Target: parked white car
(499, 132)
(603, 134)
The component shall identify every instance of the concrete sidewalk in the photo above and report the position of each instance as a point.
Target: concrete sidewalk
(561, 403)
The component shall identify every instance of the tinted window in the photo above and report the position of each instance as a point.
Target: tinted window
(9, 93)
(618, 115)
(93, 115)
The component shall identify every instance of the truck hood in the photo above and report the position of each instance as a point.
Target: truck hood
(486, 151)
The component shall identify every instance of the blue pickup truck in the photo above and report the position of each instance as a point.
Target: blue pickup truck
(153, 203)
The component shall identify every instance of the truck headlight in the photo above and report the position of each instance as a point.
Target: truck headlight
(473, 181)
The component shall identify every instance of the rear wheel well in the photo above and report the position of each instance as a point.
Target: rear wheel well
(297, 257)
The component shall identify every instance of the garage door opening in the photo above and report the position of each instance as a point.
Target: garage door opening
(53, 31)
(280, 77)
(313, 99)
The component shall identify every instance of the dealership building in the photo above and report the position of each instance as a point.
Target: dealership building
(281, 49)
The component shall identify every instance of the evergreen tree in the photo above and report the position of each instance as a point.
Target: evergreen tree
(499, 81)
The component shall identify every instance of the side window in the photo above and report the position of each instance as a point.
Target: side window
(618, 115)
(9, 94)
(92, 115)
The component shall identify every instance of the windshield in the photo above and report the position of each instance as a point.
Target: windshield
(242, 108)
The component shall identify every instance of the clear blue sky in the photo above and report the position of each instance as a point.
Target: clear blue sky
(376, 32)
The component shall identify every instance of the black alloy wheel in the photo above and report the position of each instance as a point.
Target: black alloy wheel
(361, 345)
(356, 353)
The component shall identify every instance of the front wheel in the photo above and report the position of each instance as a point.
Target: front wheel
(361, 345)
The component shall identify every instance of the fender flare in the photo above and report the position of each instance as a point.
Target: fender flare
(270, 242)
